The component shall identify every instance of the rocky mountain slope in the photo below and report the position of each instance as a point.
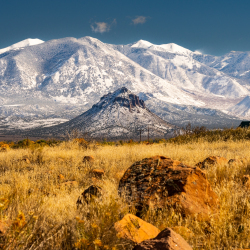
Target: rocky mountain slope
(50, 82)
(118, 115)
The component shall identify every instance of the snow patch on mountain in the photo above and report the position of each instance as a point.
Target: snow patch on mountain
(241, 109)
(22, 44)
(118, 115)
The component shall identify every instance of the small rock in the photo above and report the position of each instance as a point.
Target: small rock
(211, 161)
(89, 158)
(61, 177)
(98, 173)
(165, 240)
(89, 194)
(26, 160)
(133, 228)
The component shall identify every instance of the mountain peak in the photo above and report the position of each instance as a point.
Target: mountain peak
(118, 115)
(169, 47)
(122, 97)
(175, 48)
(22, 44)
(142, 44)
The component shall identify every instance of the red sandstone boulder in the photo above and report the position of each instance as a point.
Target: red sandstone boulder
(161, 182)
(133, 228)
(211, 161)
(165, 240)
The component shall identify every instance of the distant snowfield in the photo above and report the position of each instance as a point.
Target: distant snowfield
(60, 79)
(22, 44)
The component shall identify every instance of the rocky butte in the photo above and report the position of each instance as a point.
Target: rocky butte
(118, 115)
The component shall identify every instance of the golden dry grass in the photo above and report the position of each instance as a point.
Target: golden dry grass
(46, 217)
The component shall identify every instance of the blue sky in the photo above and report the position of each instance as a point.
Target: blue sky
(211, 26)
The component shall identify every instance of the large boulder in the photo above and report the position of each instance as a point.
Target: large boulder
(133, 228)
(165, 240)
(161, 182)
(212, 161)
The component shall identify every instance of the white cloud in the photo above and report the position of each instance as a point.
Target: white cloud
(139, 20)
(101, 27)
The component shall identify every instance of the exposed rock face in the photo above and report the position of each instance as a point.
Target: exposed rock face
(161, 182)
(166, 240)
(211, 161)
(133, 228)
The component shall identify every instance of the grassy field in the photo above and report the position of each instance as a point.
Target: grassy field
(43, 212)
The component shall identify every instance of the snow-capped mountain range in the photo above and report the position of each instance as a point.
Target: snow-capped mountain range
(46, 83)
(118, 115)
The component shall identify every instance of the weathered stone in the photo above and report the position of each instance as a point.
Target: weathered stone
(212, 161)
(26, 160)
(161, 182)
(89, 158)
(165, 240)
(89, 194)
(61, 177)
(97, 173)
(133, 228)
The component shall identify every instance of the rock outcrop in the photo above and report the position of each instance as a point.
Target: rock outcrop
(133, 228)
(165, 240)
(211, 161)
(161, 182)
(89, 194)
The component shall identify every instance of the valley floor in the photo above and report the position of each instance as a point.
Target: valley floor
(43, 212)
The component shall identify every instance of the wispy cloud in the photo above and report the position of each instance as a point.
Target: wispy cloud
(139, 20)
(101, 27)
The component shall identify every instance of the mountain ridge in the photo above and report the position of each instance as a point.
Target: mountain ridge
(118, 115)
(61, 78)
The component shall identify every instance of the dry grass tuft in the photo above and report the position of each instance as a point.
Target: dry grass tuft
(43, 213)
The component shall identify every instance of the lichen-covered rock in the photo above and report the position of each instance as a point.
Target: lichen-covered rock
(161, 182)
(211, 161)
(133, 228)
(89, 194)
(165, 240)
(97, 173)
